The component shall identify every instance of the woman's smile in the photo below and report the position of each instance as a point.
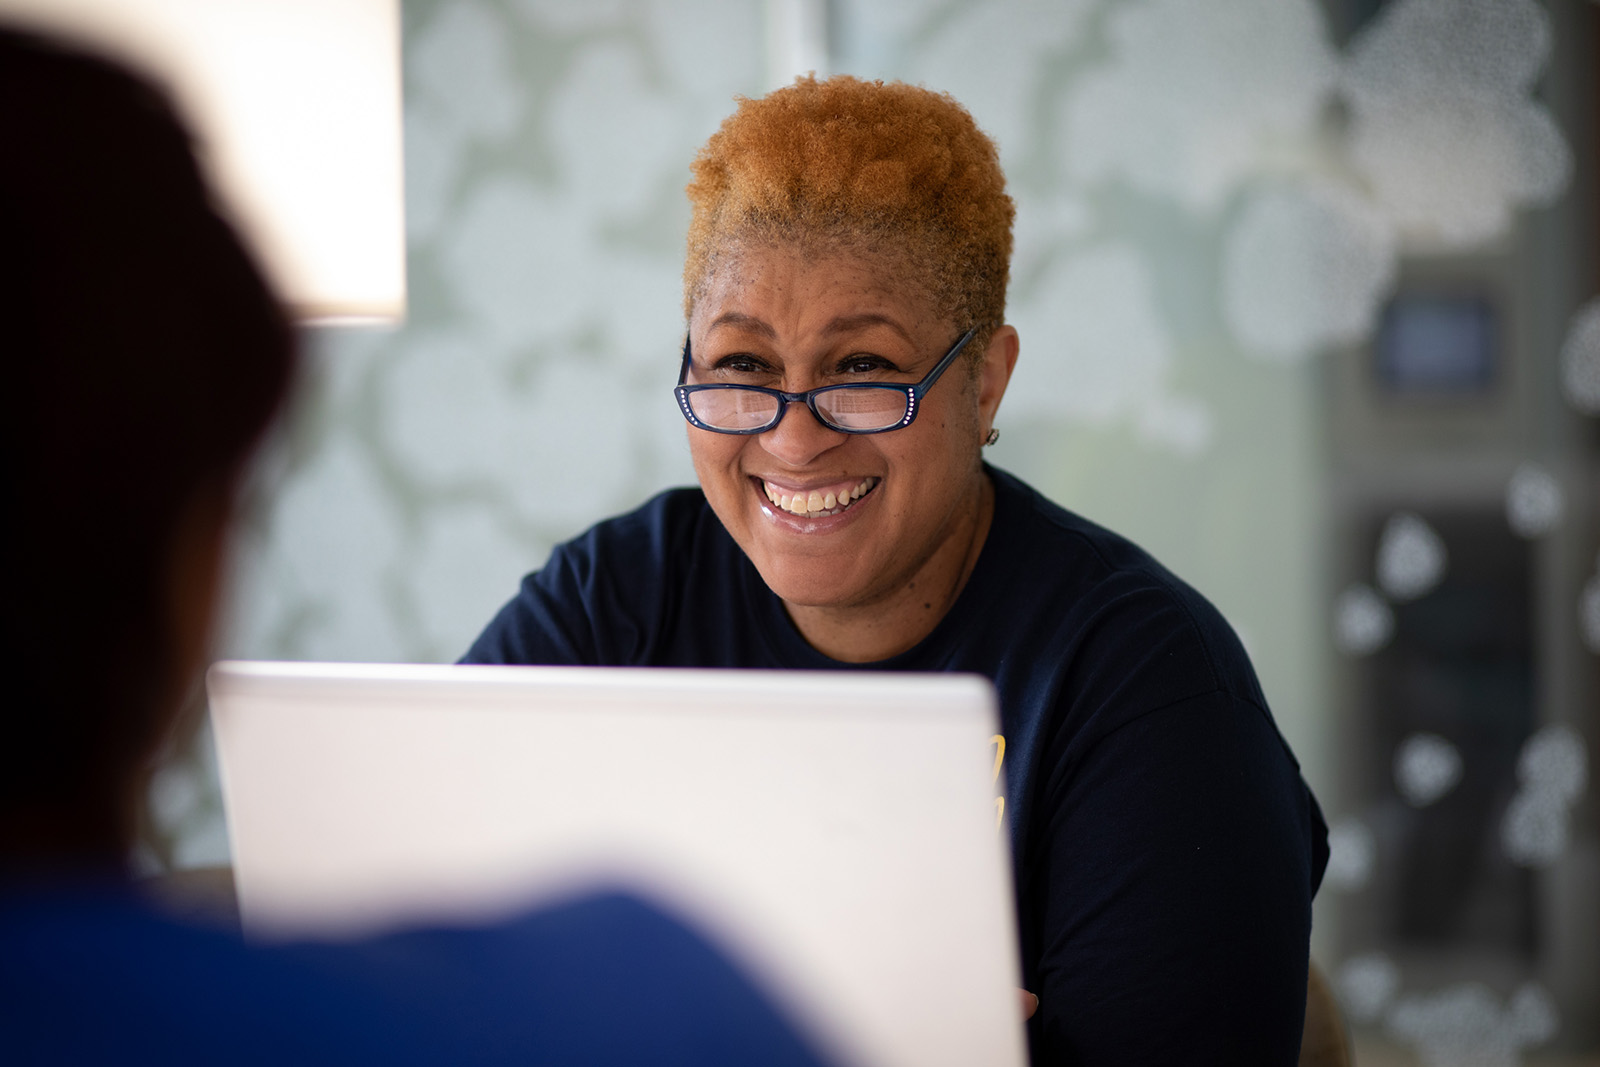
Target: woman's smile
(817, 500)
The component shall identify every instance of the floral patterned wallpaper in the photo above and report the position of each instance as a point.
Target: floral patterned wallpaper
(1214, 200)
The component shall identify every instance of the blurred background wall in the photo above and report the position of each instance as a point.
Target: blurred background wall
(1307, 295)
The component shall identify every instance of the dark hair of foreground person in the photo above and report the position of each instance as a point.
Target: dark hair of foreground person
(144, 359)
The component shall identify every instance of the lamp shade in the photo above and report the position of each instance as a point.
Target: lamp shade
(296, 109)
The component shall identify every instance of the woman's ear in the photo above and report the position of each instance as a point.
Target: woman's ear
(994, 373)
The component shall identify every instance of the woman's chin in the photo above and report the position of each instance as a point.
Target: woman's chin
(818, 582)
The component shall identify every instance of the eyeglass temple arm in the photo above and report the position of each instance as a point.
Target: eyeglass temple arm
(683, 371)
(939, 368)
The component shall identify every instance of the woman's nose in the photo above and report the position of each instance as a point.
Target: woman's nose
(799, 437)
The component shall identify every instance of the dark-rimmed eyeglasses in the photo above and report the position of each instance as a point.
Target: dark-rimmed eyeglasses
(854, 407)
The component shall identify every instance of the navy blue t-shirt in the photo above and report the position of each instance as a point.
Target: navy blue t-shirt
(1166, 848)
(90, 975)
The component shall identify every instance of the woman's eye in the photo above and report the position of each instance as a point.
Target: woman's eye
(739, 364)
(865, 365)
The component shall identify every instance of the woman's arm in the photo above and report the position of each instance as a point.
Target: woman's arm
(1170, 894)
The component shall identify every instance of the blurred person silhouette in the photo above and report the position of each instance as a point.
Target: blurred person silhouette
(145, 357)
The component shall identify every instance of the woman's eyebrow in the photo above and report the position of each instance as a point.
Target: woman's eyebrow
(852, 323)
(841, 325)
(742, 321)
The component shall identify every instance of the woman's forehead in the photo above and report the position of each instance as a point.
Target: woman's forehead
(771, 288)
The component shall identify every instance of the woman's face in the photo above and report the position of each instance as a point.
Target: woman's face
(835, 520)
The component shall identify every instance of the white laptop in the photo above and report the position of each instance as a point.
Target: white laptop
(836, 833)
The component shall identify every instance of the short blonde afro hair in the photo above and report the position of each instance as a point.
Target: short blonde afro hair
(865, 165)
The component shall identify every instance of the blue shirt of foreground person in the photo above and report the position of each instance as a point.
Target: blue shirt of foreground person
(90, 975)
(144, 359)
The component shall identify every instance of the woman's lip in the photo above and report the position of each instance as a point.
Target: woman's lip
(835, 484)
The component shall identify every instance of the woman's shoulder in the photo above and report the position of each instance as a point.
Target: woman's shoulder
(1108, 591)
(668, 531)
(606, 595)
(669, 519)
(1059, 546)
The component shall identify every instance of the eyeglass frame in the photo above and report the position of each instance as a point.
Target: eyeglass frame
(913, 391)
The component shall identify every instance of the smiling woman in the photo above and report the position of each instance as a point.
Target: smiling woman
(871, 578)
(846, 356)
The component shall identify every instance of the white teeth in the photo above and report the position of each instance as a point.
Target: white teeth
(816, 503)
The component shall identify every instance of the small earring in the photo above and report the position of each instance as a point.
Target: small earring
(991, 438)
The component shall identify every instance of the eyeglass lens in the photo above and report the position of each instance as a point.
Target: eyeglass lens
(848, 409)
(733, 409)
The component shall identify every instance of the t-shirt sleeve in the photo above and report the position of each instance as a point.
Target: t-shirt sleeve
(604, 598)
(1177, 875)
(548, 621)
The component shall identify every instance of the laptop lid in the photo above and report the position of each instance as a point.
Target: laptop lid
(838, 833)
